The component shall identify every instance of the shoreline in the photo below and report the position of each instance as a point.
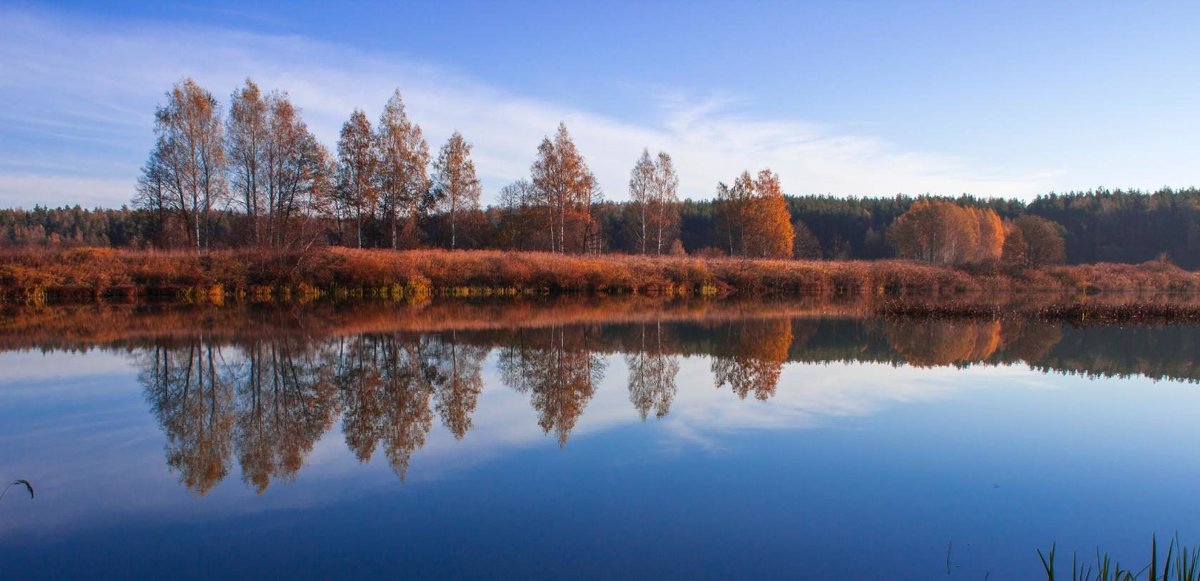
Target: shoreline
(84, 275)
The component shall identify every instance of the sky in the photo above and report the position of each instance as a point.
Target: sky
(1009, 99)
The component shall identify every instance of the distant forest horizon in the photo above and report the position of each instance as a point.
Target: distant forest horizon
(1100, 225)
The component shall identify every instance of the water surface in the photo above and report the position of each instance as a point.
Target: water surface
(585, 440)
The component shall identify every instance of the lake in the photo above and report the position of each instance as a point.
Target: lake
(586, 439)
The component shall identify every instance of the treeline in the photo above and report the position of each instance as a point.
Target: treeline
(254, 175)
(1125, 226)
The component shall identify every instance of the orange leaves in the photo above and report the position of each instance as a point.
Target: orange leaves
(753, 218)
(943, 232)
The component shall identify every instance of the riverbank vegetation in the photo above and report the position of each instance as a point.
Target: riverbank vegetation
(90, 273)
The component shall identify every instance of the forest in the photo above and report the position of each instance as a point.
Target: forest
(256, 177)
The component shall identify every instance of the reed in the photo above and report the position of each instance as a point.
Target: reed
(1178, 564)
(39, 276)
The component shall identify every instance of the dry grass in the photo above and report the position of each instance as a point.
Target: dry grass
(89, 273)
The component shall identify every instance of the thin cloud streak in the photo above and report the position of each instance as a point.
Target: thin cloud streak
(111, 79)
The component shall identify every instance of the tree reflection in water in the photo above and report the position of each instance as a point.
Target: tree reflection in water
(751, 356)
(652, 371)
(266, 399)
(194, 404)
(559, 368)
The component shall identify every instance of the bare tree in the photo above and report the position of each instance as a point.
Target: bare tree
(455, 188)
(665, 211)
(525, 224)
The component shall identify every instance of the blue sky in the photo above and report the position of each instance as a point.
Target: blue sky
(857, 98)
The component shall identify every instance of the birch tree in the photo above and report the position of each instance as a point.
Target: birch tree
(186, 169)
(356, 193)
(455, 189)
(563, 183)
(641, 186)
(664, 209)
(402, 158)
(246, 147)
(277, 166)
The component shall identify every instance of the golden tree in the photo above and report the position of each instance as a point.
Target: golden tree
(942, 232)
(768, 232)
(991, 235)
(753, 218)
(566, 188)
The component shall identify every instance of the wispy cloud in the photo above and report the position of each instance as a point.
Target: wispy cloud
(84, 95)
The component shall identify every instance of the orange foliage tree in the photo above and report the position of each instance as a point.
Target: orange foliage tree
(753, 218)
(563, 185)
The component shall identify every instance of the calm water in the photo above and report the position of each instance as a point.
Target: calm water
(585, 440)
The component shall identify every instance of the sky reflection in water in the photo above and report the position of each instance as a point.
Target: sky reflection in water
(769, 445)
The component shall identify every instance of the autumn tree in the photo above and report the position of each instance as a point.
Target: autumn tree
(246, 136)
(563, 184)
(990, 243)
(401, 170)
(653, 189)
(753, 218)
(943, 232)
(300, 175)
(931, 231)
(455, 189)
(278, 168)
(356, 192)
(185, 173)
(769, 233)
(1033, 241)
